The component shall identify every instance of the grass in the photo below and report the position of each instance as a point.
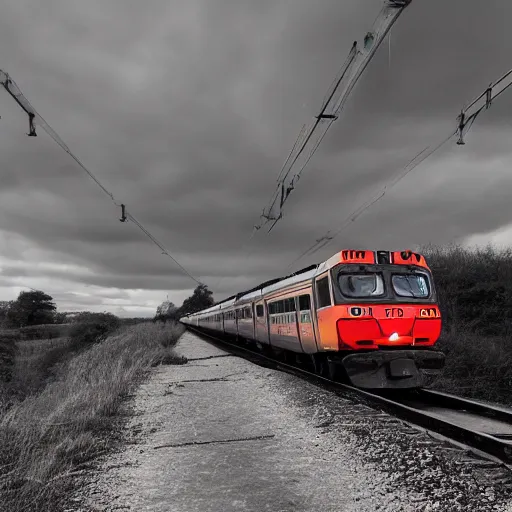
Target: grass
(475, 293)
(51, 436)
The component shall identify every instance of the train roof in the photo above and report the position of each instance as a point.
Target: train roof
(346, 256)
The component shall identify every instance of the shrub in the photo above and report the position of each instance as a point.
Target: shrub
(477, 366)
(45, 331)
(475, 288)
(93, 327)
(475, 295)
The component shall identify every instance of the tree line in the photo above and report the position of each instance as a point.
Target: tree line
(38, 308)
(202, 298)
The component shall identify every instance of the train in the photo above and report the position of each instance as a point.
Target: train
(367, 318)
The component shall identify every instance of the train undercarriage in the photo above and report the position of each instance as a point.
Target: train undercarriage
(386, 369)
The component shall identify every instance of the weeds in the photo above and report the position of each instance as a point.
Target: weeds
(50, 437)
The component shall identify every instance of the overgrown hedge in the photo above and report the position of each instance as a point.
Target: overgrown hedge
(44, 332)
(475, 294)
(90, 328)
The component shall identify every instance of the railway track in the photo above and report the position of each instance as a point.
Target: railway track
(483, 427)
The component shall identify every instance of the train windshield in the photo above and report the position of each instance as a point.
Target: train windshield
(411, 285)
(361, 285)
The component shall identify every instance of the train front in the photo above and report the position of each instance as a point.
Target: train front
(386, 319)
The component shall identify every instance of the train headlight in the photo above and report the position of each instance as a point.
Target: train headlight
(394, 337)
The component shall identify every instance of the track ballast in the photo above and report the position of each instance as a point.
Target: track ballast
(484, 427)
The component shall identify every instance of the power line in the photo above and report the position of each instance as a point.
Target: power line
(469, 114)
(35, 119)
(355, 214)
(354, 66)
(465, 120)
(333, 103)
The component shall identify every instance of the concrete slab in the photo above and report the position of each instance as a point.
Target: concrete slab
(221, 434)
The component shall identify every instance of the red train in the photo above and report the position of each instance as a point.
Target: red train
(369, 318)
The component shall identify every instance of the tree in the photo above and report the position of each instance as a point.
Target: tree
(166, 311)
(31, 308)
(202, 298)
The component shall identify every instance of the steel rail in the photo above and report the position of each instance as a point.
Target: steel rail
(501, 448)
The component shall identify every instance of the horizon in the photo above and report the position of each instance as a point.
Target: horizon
(186, 112)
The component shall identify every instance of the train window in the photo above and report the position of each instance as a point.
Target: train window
(247, 312)
(305, 317)
(289, 305)
(259, 310)
(361, 285)
(411, 285)
(322, 290)
(304, 303)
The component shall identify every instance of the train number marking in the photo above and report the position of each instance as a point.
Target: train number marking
(394, 312)
(428, 313)
(357, 311)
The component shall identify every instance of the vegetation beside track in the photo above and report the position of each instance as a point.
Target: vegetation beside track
(59, 401)
(475, 294)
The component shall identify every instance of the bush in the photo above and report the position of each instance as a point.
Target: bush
(475, 288)
(475, 294)
(93, 327)
(45, 331)
(477, 366)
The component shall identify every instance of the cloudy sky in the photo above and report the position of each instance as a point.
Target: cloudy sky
(186, 111)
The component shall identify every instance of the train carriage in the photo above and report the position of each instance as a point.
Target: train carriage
(369, 317)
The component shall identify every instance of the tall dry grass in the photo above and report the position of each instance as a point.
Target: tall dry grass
(50, 437)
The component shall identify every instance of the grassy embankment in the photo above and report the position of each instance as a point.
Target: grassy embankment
(475, 292)
(58, 412)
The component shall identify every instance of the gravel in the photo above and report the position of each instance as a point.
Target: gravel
(222, 434)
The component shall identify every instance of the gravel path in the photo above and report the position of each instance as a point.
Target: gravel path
(221, 434)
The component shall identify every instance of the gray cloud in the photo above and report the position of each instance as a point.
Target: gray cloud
(186, 112)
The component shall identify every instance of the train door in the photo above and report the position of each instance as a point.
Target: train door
(326, 317)
(261, 324)
(305, 323)
(239, 312)
(253, 323)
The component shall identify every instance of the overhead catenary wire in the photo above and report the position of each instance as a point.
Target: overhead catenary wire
(333, 102)
(354, 66)
(354, 215)
(35, 119)
(469, 114)
(465, 121)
